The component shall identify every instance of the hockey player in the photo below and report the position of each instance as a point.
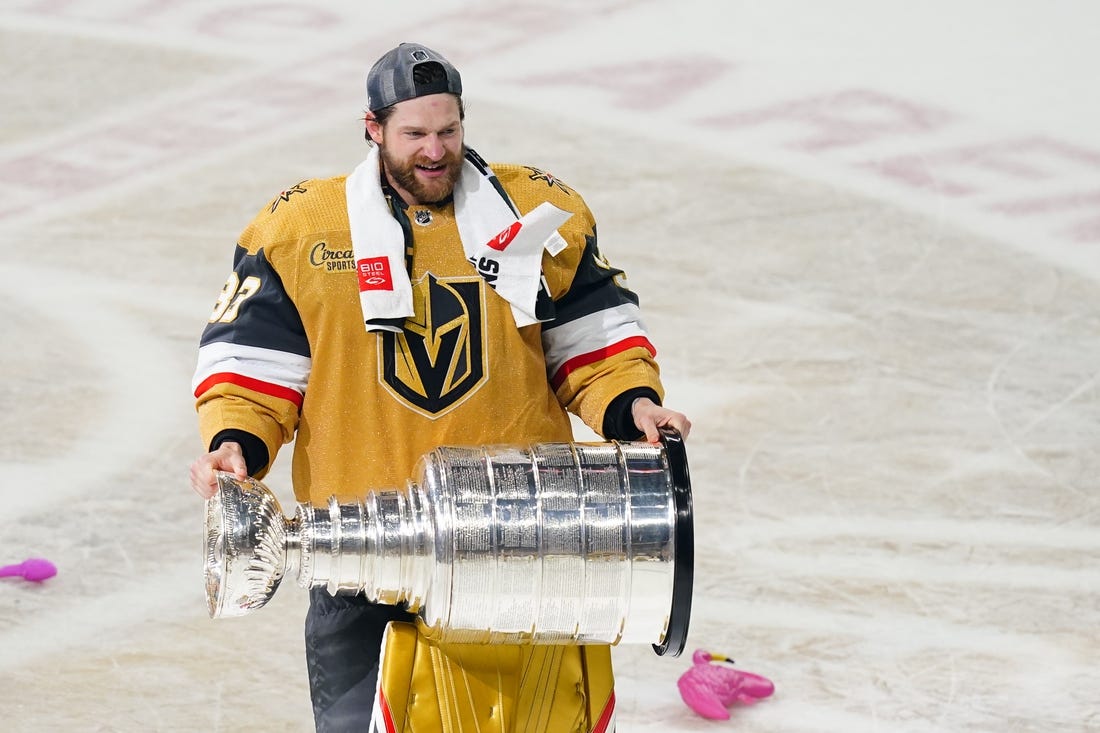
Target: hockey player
(425, 299)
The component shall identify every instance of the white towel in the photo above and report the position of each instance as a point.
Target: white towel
(491, 235)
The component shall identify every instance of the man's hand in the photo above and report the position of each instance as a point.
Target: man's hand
(227, 457)
(648, 416)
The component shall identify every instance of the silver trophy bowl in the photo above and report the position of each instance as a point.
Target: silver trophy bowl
(569, 543)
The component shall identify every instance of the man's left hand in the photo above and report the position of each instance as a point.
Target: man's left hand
(649, 416)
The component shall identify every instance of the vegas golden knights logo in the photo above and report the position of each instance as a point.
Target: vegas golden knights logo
(439, 359)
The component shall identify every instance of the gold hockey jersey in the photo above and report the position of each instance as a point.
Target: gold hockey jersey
(285, 355)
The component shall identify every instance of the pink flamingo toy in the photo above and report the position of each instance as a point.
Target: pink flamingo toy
(709, 689)
(33, 568)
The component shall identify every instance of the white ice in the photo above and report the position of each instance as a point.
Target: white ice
(866, 236)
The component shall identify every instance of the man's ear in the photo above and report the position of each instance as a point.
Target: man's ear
(374, 129)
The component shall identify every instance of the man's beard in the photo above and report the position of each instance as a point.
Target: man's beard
(432, 191)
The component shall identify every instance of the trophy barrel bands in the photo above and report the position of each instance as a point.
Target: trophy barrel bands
(605, 539)
(559, 543)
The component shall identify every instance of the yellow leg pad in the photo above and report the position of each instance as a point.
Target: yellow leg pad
(425, 686)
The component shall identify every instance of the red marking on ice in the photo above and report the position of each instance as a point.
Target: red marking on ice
(1086, 231)
(851, 117)
(641, 84)
(953, 172)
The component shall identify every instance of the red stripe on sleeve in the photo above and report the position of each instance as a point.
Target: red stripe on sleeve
(598, 355)
(256, 385)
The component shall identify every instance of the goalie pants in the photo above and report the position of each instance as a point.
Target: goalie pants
(343, 644)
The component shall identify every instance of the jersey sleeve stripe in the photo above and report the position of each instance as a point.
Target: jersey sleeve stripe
(277, 373)
(255, 385)
(599, 355)
(596, 336)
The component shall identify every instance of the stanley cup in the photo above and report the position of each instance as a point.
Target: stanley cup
(568, 543)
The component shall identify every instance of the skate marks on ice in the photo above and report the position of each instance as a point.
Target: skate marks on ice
(894, 461)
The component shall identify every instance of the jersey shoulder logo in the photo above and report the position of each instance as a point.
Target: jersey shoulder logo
(285, 195)
(551, 181)
(438, 360)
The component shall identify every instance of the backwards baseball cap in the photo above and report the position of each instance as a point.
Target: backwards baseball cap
(407, 72)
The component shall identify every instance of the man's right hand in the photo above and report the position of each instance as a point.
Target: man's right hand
(204, 471)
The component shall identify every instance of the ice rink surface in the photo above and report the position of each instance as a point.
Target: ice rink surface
(866, 236)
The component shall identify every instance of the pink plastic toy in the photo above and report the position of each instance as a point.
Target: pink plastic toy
(33, 568)
(709, 689)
